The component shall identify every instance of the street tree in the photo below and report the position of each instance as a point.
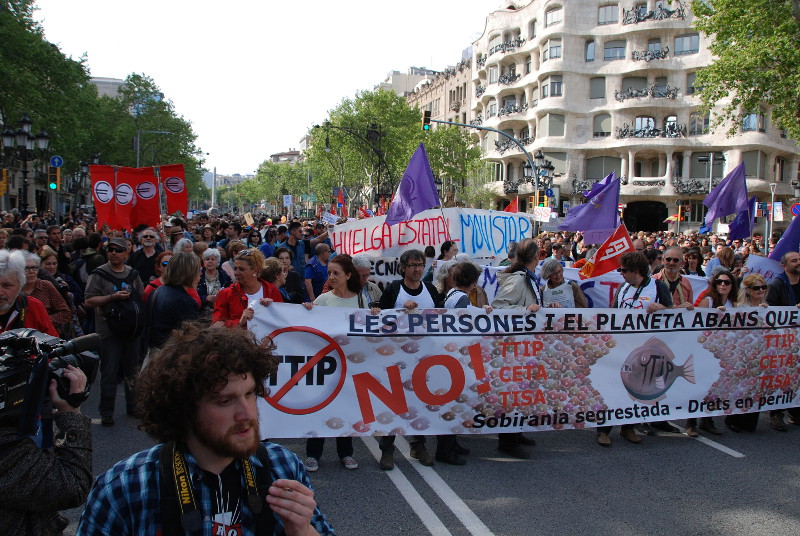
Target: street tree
(756, 48)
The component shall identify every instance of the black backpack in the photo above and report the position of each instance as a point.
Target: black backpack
(125, 317)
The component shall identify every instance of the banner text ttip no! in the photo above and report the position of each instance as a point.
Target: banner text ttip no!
(452, 371)
(481, 233)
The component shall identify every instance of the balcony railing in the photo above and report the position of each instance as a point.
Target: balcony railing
(650, 55)
(670, 130)
(478, 121)
(509, 46)
(693, 186)
(480, 90)
(661, 183)
(503, 146)
(527, 140)
(480, 62)
(655, 91)
(635, 16)
(509, 109)
(508, 78)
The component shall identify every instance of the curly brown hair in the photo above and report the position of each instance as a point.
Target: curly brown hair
(195, 361)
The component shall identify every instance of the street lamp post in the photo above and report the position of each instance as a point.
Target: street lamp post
(770, 216)
(25, 147)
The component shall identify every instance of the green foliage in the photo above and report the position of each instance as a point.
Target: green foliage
(756, 45)
(473, 192)
(363, 166)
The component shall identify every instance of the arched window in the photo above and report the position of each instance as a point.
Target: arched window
(614, 50)
(601, 126)
(608, 15)
(589, 48)
(553, 16)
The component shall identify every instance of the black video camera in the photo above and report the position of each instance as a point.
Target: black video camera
(29, 359)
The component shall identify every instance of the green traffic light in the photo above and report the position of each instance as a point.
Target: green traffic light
(53, 186)
(426, 127)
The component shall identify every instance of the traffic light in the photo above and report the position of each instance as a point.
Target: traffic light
(4, 182)
(541, 198)
(426, 120)
(54, 178)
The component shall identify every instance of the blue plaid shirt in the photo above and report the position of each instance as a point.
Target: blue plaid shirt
(126, 498)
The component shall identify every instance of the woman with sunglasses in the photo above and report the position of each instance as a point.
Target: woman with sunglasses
(722, 292)
(234, 305)
(254, 238)
(162, 260)
(753, 293)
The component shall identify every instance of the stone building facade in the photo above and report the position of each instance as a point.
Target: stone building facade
(599, 85)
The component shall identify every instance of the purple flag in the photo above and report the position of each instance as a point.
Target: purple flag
(729, 197)
(790, 240)
(598, 186)
(417, 191)
(742, 224)
(601, 212)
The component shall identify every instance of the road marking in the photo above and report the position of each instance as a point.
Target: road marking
(412, 497)
(713, 444)
(463, 512)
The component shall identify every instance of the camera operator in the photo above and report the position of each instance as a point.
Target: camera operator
(38, 483)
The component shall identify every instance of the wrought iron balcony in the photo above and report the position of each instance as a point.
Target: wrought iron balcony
(509, 109)
(503, 146)
(635, 16)
(478, 121)
(509, 46)
(480, 62)
(508, 78)
(650, 55)
(670, 130)
(655, 91)
(527, 140)
(480, 90)
(659, 183)
(693, 186)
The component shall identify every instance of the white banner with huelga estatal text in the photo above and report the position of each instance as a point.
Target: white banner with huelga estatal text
(346, 372)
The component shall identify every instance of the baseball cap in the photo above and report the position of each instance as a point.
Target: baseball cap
(121, 242)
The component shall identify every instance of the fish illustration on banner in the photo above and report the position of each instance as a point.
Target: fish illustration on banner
(649, 371)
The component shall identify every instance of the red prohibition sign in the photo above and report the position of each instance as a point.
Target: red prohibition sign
(274, 400)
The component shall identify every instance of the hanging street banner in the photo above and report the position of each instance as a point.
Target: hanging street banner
(479, 233)
(461, 372)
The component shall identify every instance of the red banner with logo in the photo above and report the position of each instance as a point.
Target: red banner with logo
(103, 183)
(174, 180)
(145, 208)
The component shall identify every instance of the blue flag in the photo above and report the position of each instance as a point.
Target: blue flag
(601, 212)
(417, 191)
(729, 197)
(790, 241)
(742, 224)
(598, 186)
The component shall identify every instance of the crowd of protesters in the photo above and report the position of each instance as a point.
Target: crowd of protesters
(212, 269)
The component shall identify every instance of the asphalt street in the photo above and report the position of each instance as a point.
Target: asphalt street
(733, 485)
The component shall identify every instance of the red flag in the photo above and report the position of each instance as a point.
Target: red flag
(174, 180)
(103, 183)
(340, 200)
(513, 206)
(607, 257)
(145, 187)
(364, 213)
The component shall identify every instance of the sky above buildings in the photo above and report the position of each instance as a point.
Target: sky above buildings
(251, 75)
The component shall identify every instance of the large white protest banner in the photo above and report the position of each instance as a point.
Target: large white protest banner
(455, 371)
(477, 232)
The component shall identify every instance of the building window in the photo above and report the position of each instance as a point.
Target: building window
(532, 29)
(634, 82)
(755, 164)
(753, 122)
(698, 123)
(552, 50)
(555, 124)
(690, 84)
(599, 167)
(492, 110)
(597, 88)
(654, 45)
(781, 169)
(614, 50)
(589, 50)
(608, 15)
(553, 16)
(528, 64)
(687, 44)
(641, 10)
(644, 122)
(534, 93)
(552, 87)
(601, 126)
(493, 74)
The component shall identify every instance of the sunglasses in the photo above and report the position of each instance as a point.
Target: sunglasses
(624, 270)
(723, 282)
(151, 237)
(671, 259)
(757, 288)
(112, 249)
